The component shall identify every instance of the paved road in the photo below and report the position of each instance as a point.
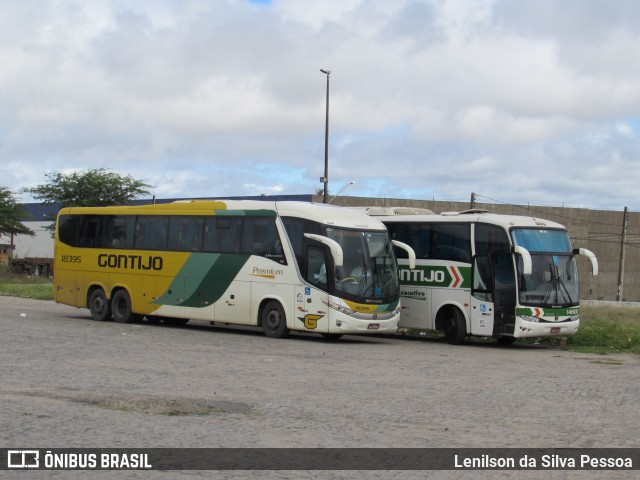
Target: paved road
(68, 381)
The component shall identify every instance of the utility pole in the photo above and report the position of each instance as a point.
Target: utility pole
(622, 245)
(325, 179)
(472, 202)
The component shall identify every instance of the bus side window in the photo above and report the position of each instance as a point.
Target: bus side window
(316, 267)
(119, 231)
(151, 232)
(490, 239)
(90, 231)
(414, 234)
(185, 233)
(68, 228)
(222, 234)
(295, 231)
(482, 278)
(451, 242)
(260, 237)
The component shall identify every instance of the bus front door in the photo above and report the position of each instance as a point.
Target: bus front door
(504, 294)
(482, 306)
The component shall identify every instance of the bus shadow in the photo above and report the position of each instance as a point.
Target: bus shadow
(249, 331)
(472, 342)
(349, 339)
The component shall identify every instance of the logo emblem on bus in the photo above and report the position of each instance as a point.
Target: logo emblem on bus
(310, 320)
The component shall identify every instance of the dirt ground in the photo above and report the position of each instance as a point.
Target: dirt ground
(68, 381)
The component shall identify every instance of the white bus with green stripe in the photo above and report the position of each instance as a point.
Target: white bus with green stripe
(281, 266)
(485, 274)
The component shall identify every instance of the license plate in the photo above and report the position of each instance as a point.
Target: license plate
(373, 326)
(555, 329)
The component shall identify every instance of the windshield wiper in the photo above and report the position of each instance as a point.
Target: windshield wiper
(362, 286)
(556, 283)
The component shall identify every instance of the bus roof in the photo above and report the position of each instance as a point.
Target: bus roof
(331, 215)
(475, 216)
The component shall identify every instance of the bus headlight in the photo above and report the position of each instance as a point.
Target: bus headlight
(529, 318)
(574, 318)
(338, 307)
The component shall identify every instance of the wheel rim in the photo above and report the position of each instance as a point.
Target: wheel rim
(98, 305)
(273, 319)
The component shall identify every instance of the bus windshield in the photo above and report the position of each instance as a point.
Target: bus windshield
(554, 273)
(542, 240)
(553, 281)
(369, 271)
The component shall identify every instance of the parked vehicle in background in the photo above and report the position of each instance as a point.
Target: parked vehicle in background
(484, 274)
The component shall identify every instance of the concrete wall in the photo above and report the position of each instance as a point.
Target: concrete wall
(597, 230)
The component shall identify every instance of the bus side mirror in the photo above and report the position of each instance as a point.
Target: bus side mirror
(334, 247)
(591, 256)
(526, 259)
(409, 250)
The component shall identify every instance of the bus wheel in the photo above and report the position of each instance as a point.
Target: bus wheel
(455, 329)
(506, 340)
(121, 307)
(274, 321)
(99, 305)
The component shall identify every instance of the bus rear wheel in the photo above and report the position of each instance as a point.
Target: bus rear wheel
(274, 320)
(99, 306)
(455, 328)
(121, 307)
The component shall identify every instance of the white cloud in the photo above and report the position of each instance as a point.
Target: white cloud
(427, 97)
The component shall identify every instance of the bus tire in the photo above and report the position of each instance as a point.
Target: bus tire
(121, 307)
(274, 320)
(99, 306)
(455, 328)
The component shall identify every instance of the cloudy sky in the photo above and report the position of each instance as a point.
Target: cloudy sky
(520, 101)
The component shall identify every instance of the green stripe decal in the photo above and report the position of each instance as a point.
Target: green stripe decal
(203, 279)
(547, 312)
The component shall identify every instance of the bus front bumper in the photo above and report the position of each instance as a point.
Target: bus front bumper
(345, 325)
(524, 328)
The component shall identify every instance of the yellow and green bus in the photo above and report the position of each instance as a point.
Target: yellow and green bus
(281, 266)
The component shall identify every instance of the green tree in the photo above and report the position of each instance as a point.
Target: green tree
(89, 188)
(10, 215)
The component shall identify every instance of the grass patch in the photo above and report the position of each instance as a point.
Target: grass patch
(603, 329)
(21, 285)
(607, 330)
